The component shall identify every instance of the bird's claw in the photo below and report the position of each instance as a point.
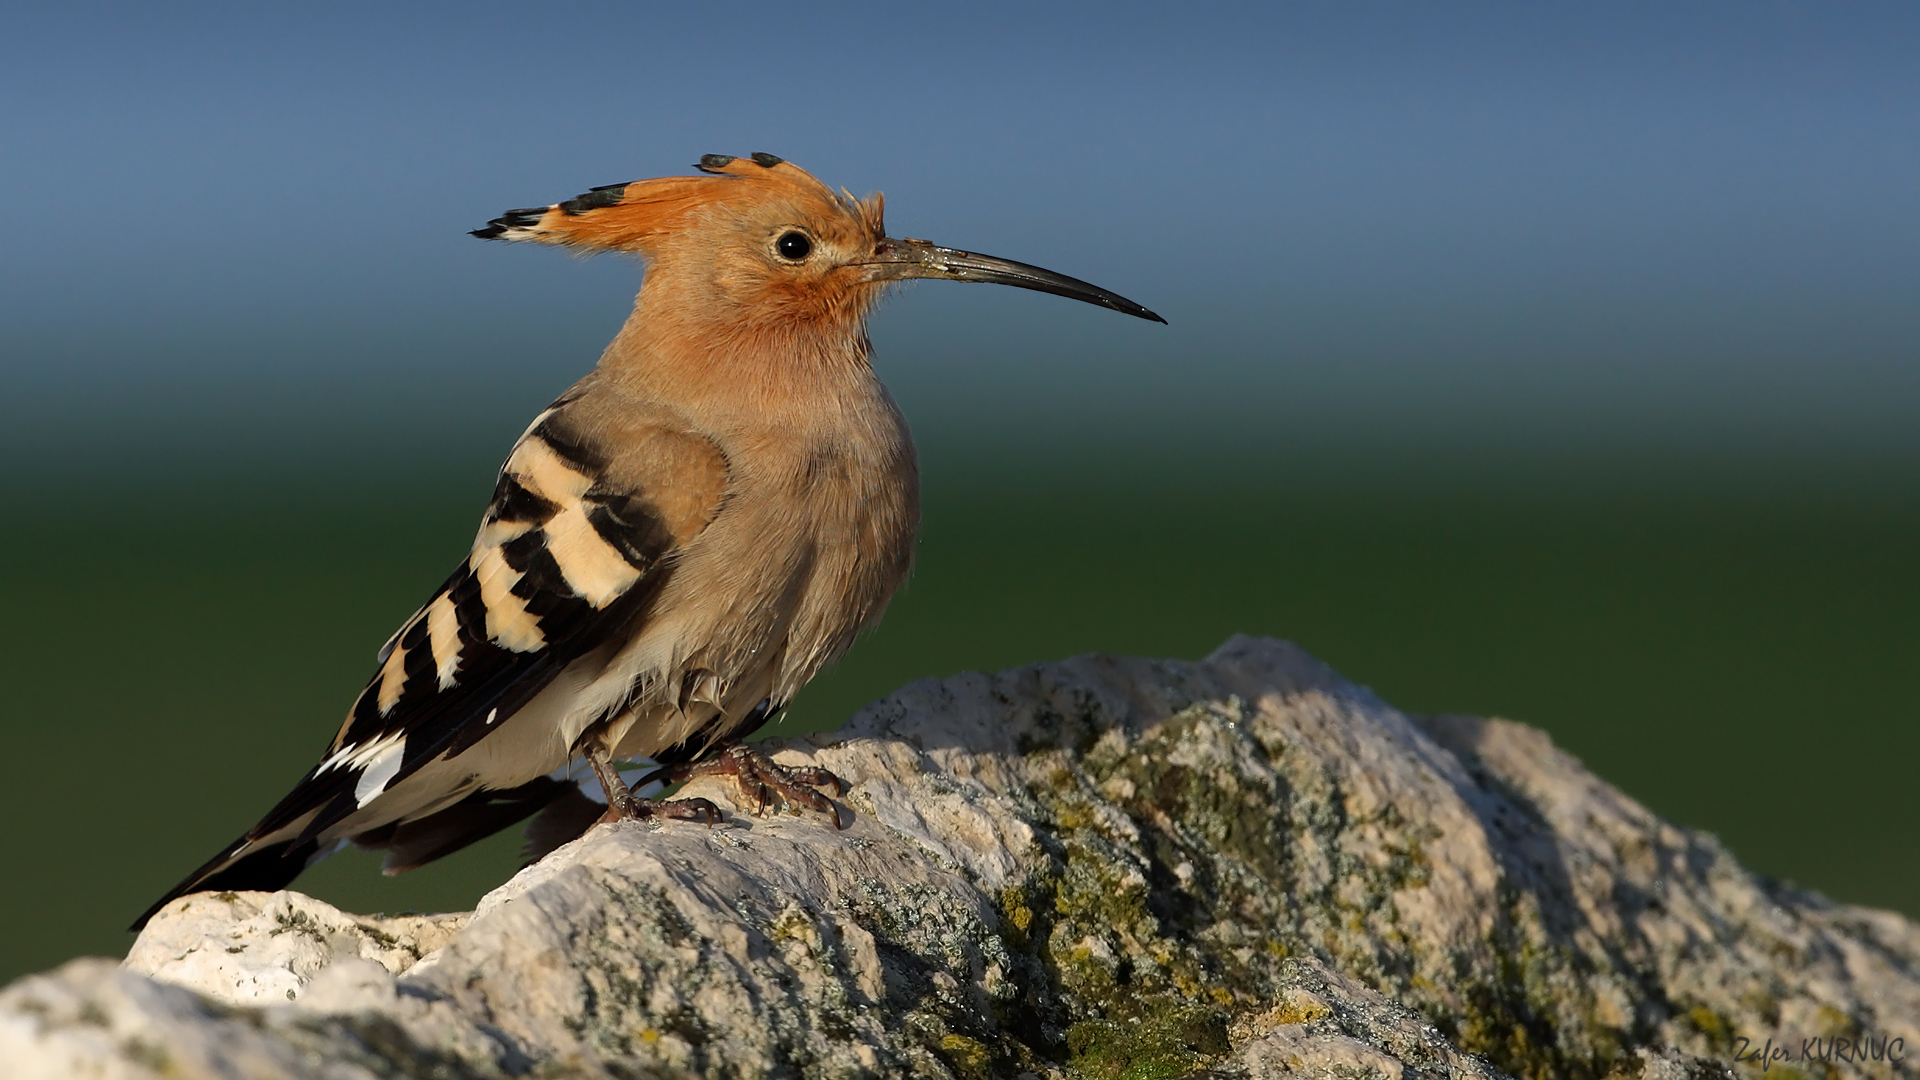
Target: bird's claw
(635, 808)
(766, 785)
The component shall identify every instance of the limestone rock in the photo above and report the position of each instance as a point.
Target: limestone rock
(248, 948)
(1107, 867)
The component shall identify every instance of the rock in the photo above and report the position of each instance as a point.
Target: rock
(259, 948)
(94, 1018)
(1242, 867)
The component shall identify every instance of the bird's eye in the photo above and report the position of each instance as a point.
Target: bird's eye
(793, 245)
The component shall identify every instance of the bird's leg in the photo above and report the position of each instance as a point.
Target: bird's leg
(623, 803)
(764, 783)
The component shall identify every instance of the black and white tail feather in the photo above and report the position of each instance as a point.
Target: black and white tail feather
(559, 565)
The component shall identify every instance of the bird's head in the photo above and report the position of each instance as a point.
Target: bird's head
(759, 242)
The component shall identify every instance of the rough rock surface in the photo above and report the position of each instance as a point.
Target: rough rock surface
(1241, 867)
(255, 948)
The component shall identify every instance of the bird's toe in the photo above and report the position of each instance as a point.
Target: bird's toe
(767, 786)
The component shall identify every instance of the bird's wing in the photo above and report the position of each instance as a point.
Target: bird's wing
(572, 541)
(589, 507)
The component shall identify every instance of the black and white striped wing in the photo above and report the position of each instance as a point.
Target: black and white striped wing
(558, 563)
(565, 557)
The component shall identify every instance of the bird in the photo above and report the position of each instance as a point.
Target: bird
(673, 548)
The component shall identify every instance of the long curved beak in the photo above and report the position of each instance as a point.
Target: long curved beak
(896, 260)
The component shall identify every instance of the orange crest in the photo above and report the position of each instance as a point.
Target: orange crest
(637, 216)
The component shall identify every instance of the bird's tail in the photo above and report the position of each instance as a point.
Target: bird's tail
(269, 863)
(569, 796)
(246, 866)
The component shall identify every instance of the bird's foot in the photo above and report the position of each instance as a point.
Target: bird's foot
(765, 784)
(634, 808)
(624, 805)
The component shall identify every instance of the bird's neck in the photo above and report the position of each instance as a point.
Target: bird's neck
(711, 361)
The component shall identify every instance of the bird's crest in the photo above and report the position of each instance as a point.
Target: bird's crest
(635, 216)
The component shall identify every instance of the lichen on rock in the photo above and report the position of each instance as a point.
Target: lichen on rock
(1103, 868)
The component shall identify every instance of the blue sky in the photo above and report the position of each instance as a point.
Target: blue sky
(1525, 225)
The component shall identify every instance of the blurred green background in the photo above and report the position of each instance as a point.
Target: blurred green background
(1743, 661)
(1552, 362)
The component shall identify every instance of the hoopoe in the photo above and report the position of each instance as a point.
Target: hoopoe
(673, 549)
